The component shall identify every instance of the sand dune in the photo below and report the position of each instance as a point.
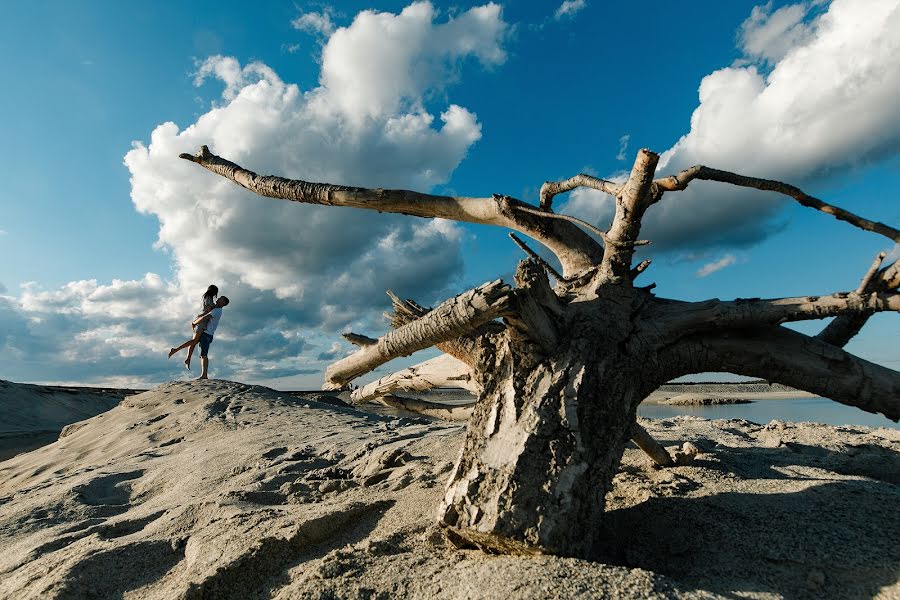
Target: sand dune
(222, 490)
(33, 415)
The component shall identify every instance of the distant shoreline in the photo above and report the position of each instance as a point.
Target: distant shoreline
(749, 390)
(745, 390)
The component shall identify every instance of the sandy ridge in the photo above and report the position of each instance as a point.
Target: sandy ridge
(222, 490)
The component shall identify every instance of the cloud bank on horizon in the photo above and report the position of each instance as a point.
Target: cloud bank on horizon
(292, 270)
(815, 95)
(301, 273)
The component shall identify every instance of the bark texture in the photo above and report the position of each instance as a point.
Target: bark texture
(450, 320)
(844, 327)
(785, 356)
(442, 371)
(547, 434)
(561, 369)
(575, 249)
(429, 409)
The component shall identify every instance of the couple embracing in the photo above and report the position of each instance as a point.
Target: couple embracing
(204, 327)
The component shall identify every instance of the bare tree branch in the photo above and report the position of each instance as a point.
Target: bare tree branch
(654, 449)
(642, 266)
(631, 203)
(598, 232)
(404, 310)
(789, 357)
(576, 250)
(864, 283)
(842, 329)
(463, 347)
(552, 188)
(534, 255)
(561, 217)
(451, 319)
(429, 409)
(682, 179)
(672, 319)
(357, 339)
(441, 371)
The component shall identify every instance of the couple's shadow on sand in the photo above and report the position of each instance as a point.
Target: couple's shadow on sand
(835, 537)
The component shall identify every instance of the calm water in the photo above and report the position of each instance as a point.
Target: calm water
(816, 410)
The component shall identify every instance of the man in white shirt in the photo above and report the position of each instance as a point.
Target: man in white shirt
(206, 337)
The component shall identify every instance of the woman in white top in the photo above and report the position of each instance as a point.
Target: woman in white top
(208, 302)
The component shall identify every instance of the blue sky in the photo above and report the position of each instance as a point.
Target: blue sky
(105, 255)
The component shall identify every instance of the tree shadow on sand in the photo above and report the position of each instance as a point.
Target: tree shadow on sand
(834, 537)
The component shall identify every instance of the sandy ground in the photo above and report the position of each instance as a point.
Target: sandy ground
(222, 490)
(32, 416)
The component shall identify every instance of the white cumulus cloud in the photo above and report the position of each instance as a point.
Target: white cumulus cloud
(717, 265)
(316, 22)
(623, 147)
(365, 124)
(828, 104)
(382, 64)
(295, 274)
(84, 331)
(771, 35)
(569, 8)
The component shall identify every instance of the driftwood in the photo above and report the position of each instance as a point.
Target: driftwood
(430, 409)
(448, 371)
(442, 371)
(560, 377)
(450, 320)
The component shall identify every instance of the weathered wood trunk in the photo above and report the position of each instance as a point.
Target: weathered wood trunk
(562, 376)
(442, 371)
(547, 435)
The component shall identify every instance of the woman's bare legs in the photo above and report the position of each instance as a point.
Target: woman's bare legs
(190, 344)
(194, 342)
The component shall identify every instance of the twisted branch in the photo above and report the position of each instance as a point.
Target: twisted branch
(430, 409)
(537, 258)
(449, 320)
(681, 180)
(842, 329)
(463, 347)
(561, 217)
(441, 371)
(792, 358)
(552, 188)
(637, 194)
(642, 266)
(673, 319)
(576, 250)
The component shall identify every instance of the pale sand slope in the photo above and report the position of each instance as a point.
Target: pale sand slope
(33, 415)
(222, 490)
(739, 391)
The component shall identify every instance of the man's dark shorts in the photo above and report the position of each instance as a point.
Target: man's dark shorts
(205, 341)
